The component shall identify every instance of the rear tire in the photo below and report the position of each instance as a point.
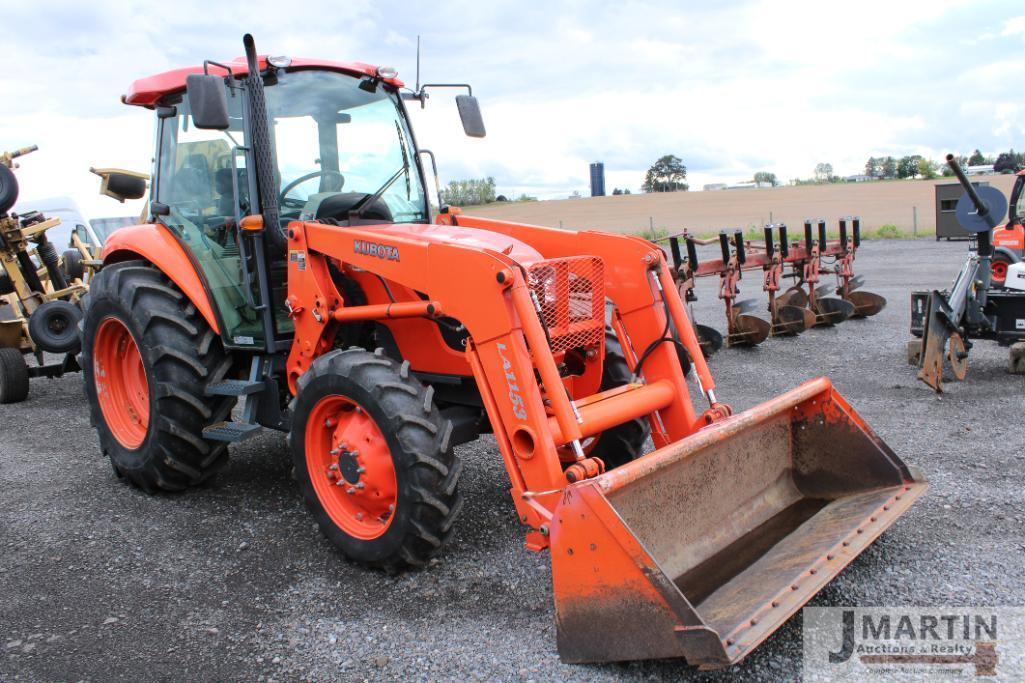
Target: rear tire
(152, 354)
(622, 443)
(404, 459)
(13, 376)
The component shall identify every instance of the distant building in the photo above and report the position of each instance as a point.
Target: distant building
(597, 179)
(714, 186)
(747, 185)
(858, 178)
(981, 169)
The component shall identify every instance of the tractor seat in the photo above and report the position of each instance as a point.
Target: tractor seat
(337, 207)
(226, 200)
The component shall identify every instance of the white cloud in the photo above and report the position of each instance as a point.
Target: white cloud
(1014, 27)
(732, 88)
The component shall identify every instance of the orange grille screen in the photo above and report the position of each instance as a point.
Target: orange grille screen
(571, 292)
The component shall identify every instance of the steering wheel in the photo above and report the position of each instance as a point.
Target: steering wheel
(309, 176)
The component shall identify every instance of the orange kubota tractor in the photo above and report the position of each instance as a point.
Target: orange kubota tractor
(291, 264)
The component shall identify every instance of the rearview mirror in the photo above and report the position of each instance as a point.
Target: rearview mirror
(469, 113)
(120, 184)
(208, 101)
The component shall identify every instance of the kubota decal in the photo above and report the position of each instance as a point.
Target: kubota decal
(519, 408)
(384, 251)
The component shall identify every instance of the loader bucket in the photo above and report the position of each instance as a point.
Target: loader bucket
(704, 548)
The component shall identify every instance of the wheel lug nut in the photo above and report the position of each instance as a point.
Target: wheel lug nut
(391, 508)
(333, 467)
(349, 490)
(361, 485)
(361, 470)
(333, 451)
(359, 516)
(354, 453)
(329, 422)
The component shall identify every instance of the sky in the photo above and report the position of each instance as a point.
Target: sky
(731, 87)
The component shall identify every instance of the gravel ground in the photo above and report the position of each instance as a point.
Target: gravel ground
(233, 582)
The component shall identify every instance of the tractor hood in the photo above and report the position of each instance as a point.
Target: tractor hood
(519, 251)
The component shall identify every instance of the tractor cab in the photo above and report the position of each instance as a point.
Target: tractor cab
(337, 147)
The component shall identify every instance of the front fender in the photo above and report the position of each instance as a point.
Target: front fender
(156, 244)
(1012, 257)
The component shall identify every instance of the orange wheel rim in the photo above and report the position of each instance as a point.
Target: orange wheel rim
(998, 269)
(351, 468)
(121, 385)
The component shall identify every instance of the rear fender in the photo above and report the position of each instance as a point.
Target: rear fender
(156, 244)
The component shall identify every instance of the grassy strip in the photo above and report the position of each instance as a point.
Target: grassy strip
(754, 233)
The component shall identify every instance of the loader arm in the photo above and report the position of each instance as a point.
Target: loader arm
(508, 350)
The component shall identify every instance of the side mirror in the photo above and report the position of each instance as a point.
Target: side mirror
(469, 113)
(208, 101)
(121, 185)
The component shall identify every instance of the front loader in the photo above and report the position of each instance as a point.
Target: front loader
(291, 277)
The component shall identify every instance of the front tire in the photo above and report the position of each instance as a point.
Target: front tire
(625, 442)
(373, 459)
(147, 356)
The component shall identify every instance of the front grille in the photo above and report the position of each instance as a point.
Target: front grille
(571, 294)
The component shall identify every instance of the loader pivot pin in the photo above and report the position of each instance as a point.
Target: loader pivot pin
(584, 469)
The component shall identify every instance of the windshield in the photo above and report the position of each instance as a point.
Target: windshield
(336, 144)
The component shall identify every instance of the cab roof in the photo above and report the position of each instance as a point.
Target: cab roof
(146, 92)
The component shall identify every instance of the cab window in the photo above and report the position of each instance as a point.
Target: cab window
(195, 181)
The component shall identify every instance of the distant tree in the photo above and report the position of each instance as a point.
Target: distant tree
(666, 175)
(575, 194)
(927, 168)
(766, 177)
(872, 167)
(627, 191)
(889, 167)
(907, 167)
(469, 192)
(526, 198)
(977, 159)
(823, 172)
(617, 191)
(1008, 162)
